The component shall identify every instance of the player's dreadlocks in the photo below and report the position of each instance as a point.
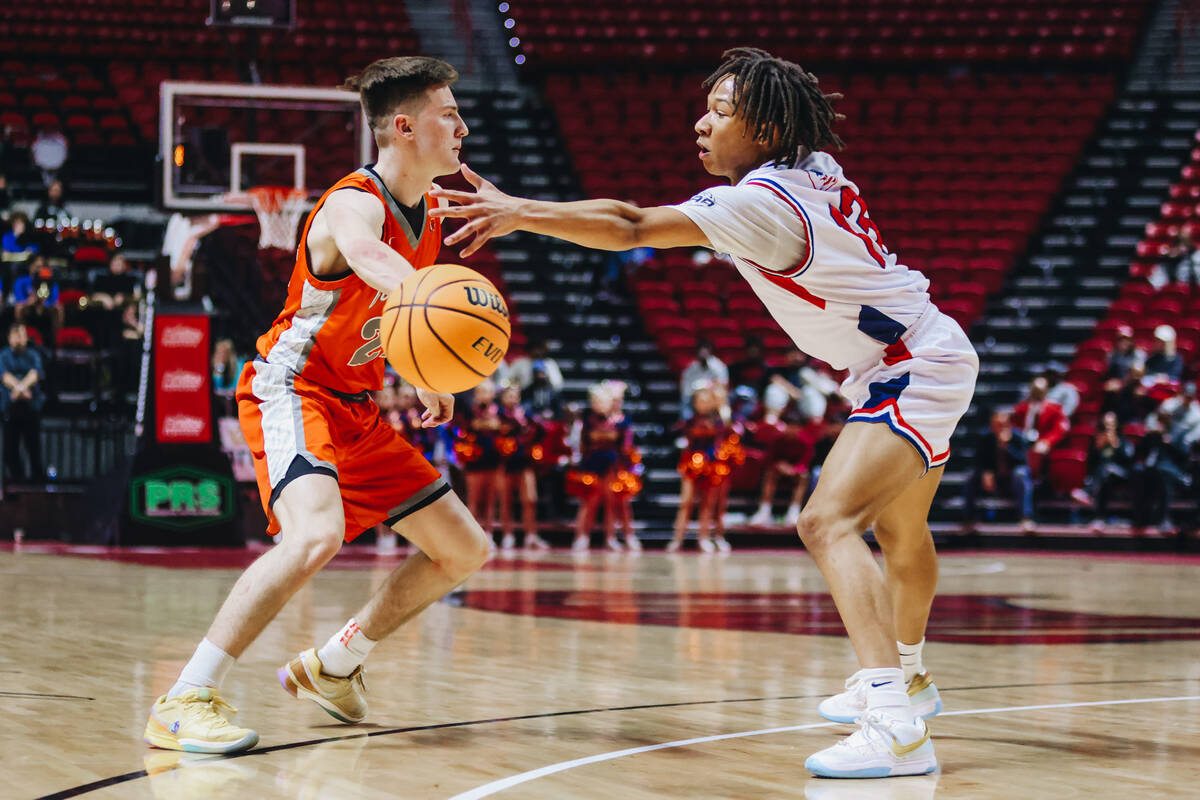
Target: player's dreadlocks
(781, 102)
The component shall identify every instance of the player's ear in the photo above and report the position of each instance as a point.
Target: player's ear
(402, 126)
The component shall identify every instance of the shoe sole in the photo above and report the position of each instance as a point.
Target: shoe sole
(200, 746)
(937, 709)
(297, 691)
(899, 770)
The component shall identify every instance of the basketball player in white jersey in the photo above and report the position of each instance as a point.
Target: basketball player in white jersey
(800, 235)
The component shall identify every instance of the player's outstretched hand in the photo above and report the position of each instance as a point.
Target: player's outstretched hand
(488, 211)
(439, 408)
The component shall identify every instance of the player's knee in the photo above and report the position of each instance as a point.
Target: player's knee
(472, 550)
(908, 553)
(470, 558)
(317, 540)
(819, 529)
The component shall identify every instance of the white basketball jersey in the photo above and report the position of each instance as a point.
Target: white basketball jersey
(803, 240)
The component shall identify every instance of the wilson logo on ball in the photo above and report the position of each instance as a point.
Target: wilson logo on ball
(440, 337)
(478, 296)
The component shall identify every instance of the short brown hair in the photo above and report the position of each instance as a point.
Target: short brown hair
(390, 82)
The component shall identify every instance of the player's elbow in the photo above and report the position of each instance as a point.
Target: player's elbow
(361, 250)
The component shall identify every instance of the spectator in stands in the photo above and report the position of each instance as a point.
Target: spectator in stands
(53, 205)
(21, 404)
(18, 242)
(751, 369)
(1130, 401)
(1164, 362)
(226, 368)
(1002, 469)
(36, 297)
(1041, 423)
(112, 286)
(705, 370)
(1124, 356)
(520, 370)
(1182, 413)
(1110, 458)
(1062, 392)
(1181, 263)
(1160, 468)
(787, 457)
(542, 398)
(809, 388)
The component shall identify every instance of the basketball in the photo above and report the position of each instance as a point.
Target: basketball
(445, 328)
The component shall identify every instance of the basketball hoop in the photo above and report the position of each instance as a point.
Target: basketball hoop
(278, 209)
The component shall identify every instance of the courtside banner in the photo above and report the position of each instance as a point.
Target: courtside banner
(182, 396)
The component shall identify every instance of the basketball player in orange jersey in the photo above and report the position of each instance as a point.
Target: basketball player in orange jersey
(328, 467)
(800, 234)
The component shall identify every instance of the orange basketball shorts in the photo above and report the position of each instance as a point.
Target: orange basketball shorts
(296, 427)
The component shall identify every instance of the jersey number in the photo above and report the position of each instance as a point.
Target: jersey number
(372, 349)
(851, 215)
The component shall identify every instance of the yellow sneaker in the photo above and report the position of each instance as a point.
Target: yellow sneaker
(345, 699)
(196, 722)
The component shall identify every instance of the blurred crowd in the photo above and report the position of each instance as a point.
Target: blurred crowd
(1129, 465)
(65, 287)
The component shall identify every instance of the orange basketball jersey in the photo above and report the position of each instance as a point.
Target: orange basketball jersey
(328, 330)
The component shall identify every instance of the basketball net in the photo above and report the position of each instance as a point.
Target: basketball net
(278, 209)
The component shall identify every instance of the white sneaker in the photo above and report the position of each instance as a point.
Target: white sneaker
(851, 704)
(761, 518)
(882, 747)
(509, 542)
(706, 546)
(722, 544)
(792, 516)
(581, 544)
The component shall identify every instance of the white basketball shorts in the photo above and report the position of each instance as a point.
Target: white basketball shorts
(921, 388)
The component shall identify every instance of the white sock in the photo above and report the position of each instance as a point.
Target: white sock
(208, 667)
(793, 510)
(886, 691)
(345, 650)
(910, 659)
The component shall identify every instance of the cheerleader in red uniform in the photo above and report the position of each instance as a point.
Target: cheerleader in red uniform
(475, 445)
(516, 437)
(712, 450)
(627, 483)
(600, 447)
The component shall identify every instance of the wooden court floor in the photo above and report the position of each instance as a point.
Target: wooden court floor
(607, 676)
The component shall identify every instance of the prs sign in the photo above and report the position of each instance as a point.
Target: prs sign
(181, 497)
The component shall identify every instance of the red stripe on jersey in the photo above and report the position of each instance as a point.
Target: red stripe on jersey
(789, 285)
(890, 405)
(896, 352)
